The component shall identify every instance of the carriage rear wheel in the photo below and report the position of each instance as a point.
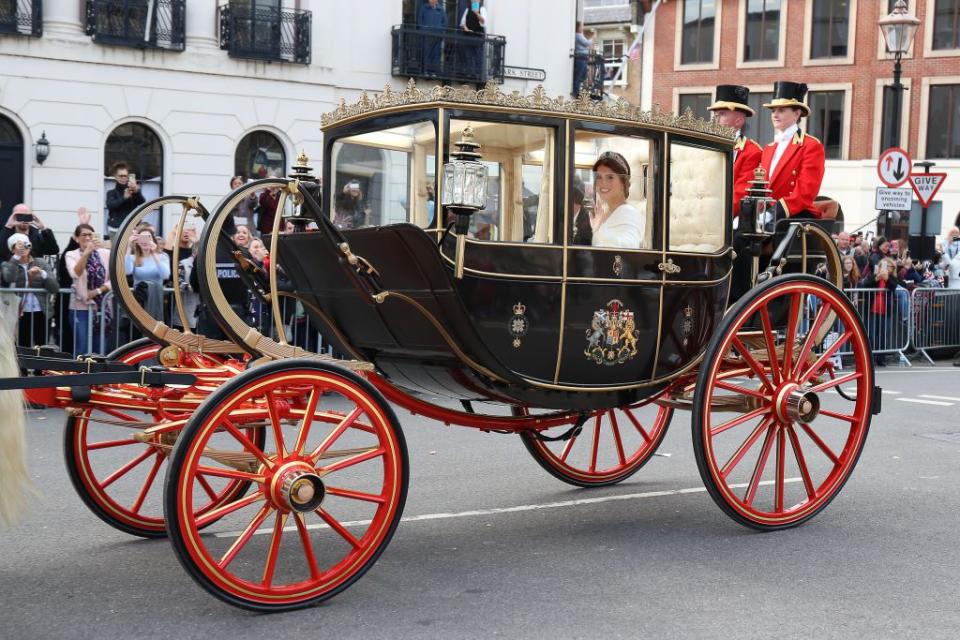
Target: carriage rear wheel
(773, 447)
(610, 446)
(329, 485)
(117, 475)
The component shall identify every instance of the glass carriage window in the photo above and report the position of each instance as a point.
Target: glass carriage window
(609, 206)
(519, 160)
(698, 198)
(385, 177)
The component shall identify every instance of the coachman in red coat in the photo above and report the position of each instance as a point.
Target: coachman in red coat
(794, 161)
(731, 110)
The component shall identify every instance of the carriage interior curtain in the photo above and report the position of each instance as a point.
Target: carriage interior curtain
(544, 229)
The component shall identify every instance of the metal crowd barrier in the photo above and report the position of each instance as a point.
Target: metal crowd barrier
(110, 326)
(934, 320)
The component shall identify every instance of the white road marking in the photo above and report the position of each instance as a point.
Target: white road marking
(516, 509)
(933, 402)
(892, 393)
(950, 398)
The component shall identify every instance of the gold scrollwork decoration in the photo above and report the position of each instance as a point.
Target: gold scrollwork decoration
(669, 267)
(491, 95)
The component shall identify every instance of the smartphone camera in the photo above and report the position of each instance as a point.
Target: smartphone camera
(23, 217)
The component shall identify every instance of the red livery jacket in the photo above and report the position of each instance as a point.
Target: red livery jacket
(745, 162)
(796, 181)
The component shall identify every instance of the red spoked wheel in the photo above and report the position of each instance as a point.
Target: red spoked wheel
(609, 447)
(773, 448)
(116, 471)
(329, 485)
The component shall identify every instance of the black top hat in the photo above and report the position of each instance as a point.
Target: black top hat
(732, 97)
(789, 94)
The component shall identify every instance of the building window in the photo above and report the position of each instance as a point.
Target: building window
(946, 24)
(260, 155)
(612, 49)
(140, 147)
(696, 102)
(759, 127)
(943, 122)
(886, 117)
(826, 121)
(831, 29)
(699, 17)
(762, 40)
(11, 167)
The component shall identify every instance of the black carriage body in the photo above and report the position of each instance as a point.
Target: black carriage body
(547, 324)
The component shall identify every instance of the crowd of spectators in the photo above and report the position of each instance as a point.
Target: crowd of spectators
(883, 274)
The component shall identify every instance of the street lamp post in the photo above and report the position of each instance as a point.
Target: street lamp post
(898, 30)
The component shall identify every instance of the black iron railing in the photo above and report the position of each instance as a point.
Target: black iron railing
(145, 24)
(449, 55)
(21, 17)
(265, 33)
(589, 74)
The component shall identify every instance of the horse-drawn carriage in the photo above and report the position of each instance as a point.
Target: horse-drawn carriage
(286, 470)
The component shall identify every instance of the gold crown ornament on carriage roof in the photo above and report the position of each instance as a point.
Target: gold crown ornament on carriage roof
(537, 101)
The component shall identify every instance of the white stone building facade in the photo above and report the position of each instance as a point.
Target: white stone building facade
(201, 102)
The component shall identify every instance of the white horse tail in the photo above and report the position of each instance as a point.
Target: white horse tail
(14, 481)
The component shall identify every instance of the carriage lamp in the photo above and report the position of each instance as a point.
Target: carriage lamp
(464, 181)
(42, 147)
(756, 209)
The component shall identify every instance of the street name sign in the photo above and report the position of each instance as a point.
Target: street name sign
(926, 185)
(894, 199)
(894, 166)
(524, 73)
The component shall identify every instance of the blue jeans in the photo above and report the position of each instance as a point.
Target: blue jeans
(579, 73)
(80, 321)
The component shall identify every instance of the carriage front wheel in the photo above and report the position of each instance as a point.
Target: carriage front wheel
(773, 442)
(327, 486)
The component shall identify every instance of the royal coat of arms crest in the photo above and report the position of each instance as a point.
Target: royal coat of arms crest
(612, 336)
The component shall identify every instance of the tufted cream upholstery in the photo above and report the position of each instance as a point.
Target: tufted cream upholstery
(697, 199)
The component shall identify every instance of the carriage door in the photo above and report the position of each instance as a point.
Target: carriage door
(11, 167)
(615, 245)
(513, 263)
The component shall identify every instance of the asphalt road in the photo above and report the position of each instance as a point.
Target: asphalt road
(882, 561)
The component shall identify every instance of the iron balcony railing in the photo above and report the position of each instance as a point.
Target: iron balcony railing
(145, 24)
(589, 70)
(448, 55)
(21, 17)
(265, 33)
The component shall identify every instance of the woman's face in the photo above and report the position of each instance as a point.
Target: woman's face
(242, 236)
(608, 184)
(885, 247)
(145, 240)
(847, 264)
(257, 250)
(236, 183)
(85, 238)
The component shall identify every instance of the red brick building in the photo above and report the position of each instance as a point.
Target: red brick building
(836, 47)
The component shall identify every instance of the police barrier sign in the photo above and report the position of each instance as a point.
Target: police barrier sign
(894, 199)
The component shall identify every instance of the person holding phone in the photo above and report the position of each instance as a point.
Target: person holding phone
(88, 267)
(23, 220)
(123, 198)
(474, 22)
(24, 271)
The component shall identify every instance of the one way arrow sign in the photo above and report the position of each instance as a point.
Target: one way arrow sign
(926, 185)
